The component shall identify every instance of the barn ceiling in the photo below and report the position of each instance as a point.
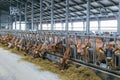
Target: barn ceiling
(77, 8)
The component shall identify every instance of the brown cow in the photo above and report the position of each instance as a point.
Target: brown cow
(16, 43)
(112, 63)
(65, 59)
(51, 46)
(44, 47)
(4, 39)
(36, 51)
(80, 47)
(83, 48)
(116, 51)
(27, 47)
(20, 43)
(100, 50)
(58, 47)
(11, 43)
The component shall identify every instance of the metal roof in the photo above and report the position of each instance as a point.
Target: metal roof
(77, 8)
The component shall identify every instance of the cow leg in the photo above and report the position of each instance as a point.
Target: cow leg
(67, 62)
(78, 55)
(62, 64)
(98, 59)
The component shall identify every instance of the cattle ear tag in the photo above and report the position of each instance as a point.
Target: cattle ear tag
(101, 51)
(116, 51)
(87, 47)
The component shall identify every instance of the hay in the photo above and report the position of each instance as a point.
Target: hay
(72, 73)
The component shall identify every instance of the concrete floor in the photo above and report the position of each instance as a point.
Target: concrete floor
(12, 68)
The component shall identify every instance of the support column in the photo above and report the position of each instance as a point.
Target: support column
(0, 19)
(10, 20)
(9, 27)
(84, 25)
(32, 23)
(11, 24)
(88, 17)
(20, 18)
(71, 25)
(41, 15)
(47, 23)
(25, 16)
(62, 25)
(67, 15)
(54, 25)
(52, 15)
(15, 21)
(8, 23)
(99, 25)
(118, 27)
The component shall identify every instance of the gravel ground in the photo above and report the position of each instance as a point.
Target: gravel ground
(12, 68)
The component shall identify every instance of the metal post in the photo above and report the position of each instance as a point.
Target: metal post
(20, 18)
(52, 15)
(8, 23)
(88, 17)
(32, 24)
(118, 27)
(83, 25)
(0, 19)
(10, 26)
(15, 21)
(41, 15)
(11, 22)
(16, 17)
(71, 24)
(47, 24)
(99, 25)
(62, 25)
(54, 25)
(67, 15)
(26, 16)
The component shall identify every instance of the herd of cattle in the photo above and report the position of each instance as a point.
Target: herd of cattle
(96, 49)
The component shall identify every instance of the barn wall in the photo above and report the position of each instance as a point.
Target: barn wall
(4, 19)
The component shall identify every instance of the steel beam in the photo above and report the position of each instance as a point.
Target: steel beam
(15, 21)
(88, 17)
(52, 15)
(41, 15)
(25, 15)
(54, 25)
(0, 19)
(8, 23)
(71, 25)
(32, 17)
(11, 22)
(10, 19)
(99, 24)
(84, 25)
(20, 18)
(62, 24)
(118, 27)
(67, 15)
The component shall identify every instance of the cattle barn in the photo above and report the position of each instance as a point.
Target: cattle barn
(59, 39)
